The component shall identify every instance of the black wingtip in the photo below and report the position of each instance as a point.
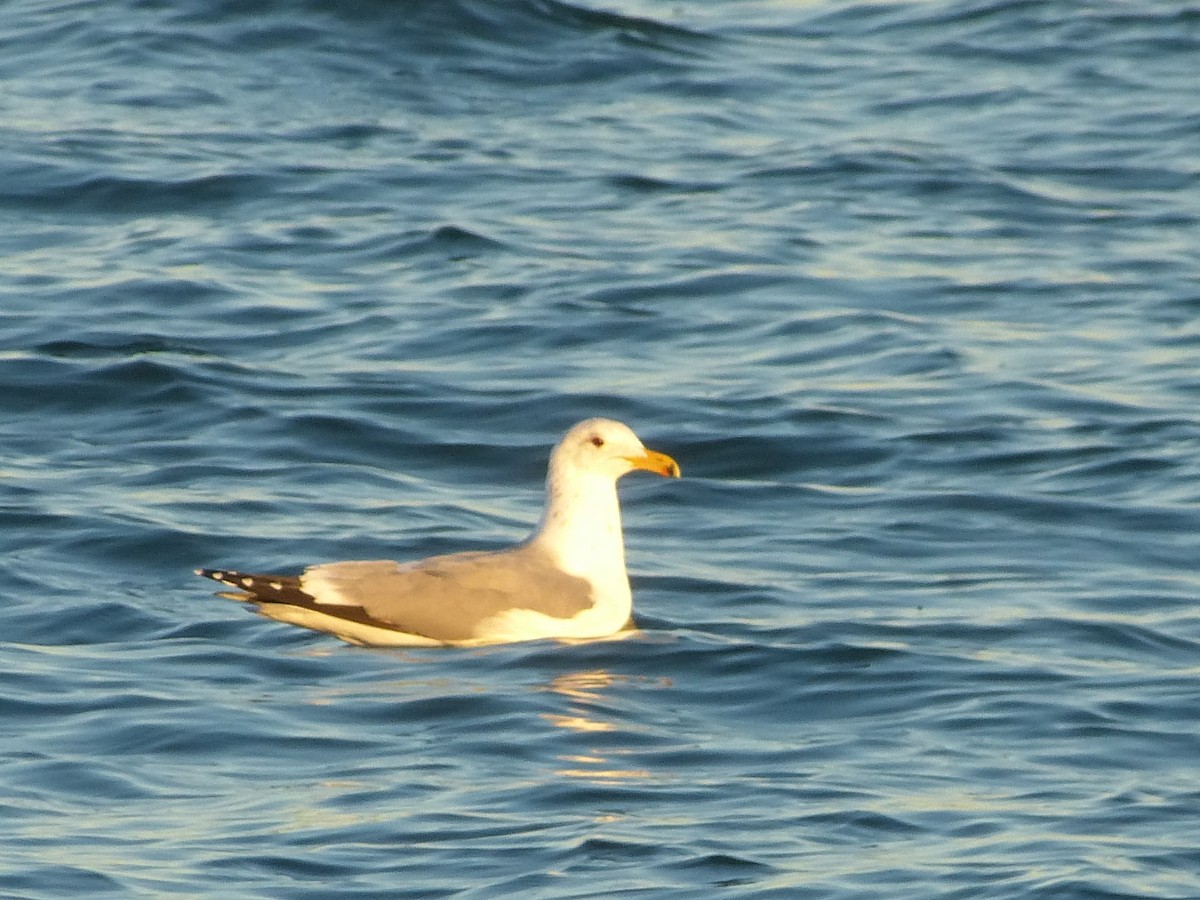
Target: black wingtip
(260, 588)
(231, 578)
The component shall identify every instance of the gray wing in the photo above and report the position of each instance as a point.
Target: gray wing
(446, 597)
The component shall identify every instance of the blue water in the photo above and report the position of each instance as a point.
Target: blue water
(911, 290)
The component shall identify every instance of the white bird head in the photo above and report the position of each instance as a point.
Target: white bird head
(609, 448)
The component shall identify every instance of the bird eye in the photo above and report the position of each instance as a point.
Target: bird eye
(597, 441)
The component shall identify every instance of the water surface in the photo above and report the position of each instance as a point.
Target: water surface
(909, 290)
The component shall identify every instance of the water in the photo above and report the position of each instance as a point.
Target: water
(909, 290)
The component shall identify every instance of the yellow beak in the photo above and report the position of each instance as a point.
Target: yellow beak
(658, 463)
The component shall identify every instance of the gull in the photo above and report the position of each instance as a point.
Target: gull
(567, 580)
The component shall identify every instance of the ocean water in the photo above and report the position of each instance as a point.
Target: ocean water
(910, 289)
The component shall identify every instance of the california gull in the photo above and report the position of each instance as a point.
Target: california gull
(567, 580)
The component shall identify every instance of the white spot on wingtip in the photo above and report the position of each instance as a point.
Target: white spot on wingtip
(277, 585)
(247, 582)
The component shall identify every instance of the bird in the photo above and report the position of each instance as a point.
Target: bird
(567, 580)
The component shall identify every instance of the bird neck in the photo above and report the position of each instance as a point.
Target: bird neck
(581, 525)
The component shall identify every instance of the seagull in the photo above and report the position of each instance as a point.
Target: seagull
(567, 580)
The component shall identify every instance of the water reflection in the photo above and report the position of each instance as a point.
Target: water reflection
(584, 686)
(599, 764)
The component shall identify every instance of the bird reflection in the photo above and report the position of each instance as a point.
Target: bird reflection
(583, 690)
